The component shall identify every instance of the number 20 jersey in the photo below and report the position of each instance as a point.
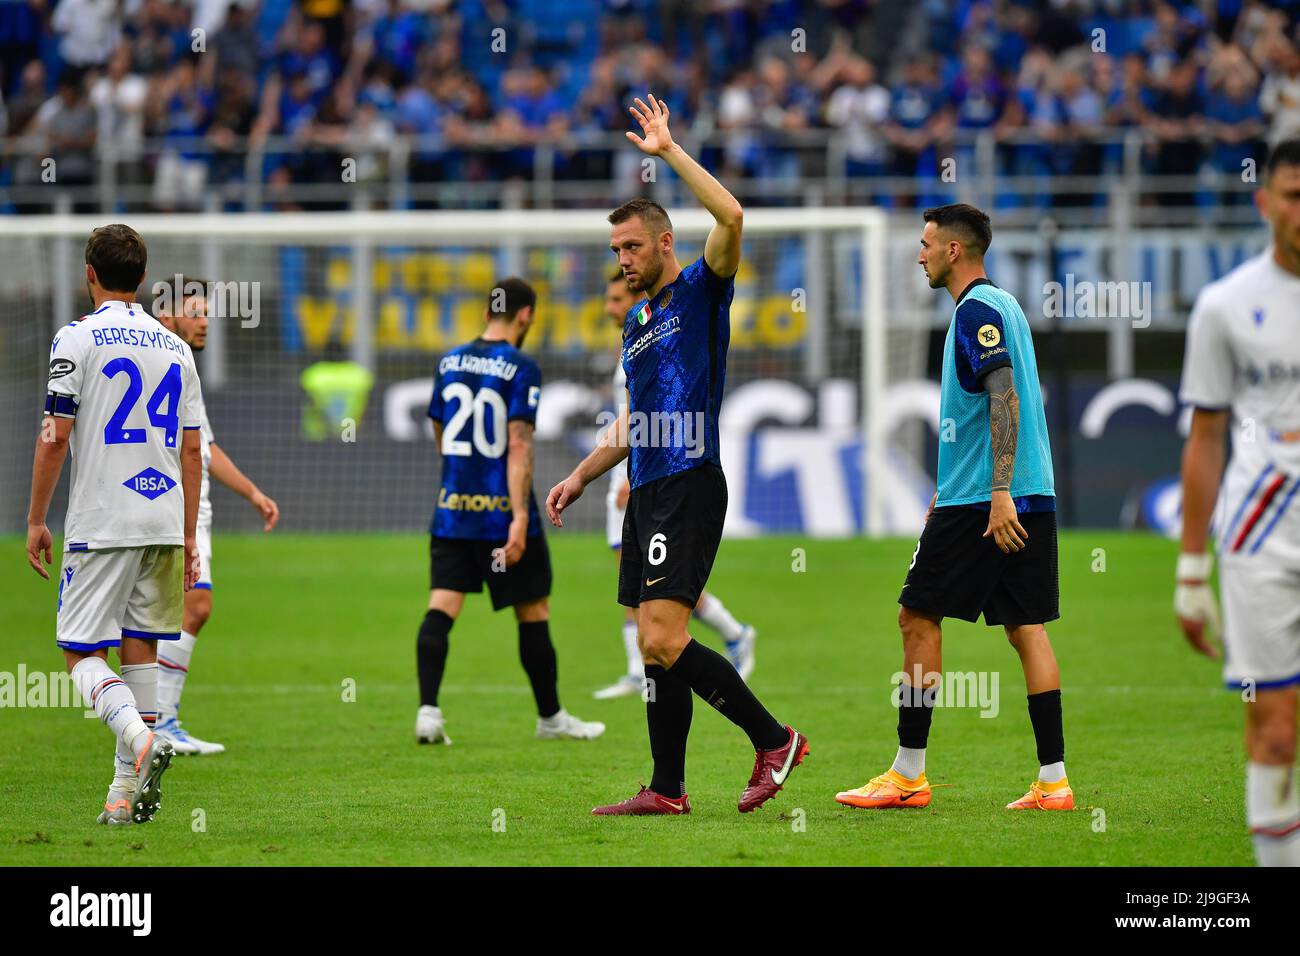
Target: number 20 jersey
(132, 388)
(480, 388)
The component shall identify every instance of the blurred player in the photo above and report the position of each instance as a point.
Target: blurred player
(485, 526)
(989, 543)
(675, 355)
(710, 610)
(174, 660)
(124, 396)
(1243, 361)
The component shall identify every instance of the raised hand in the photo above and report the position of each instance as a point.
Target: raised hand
(654, 126)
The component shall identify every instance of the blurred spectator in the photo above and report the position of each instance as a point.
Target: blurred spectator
(20, 39)
(90, 29)
(119, 98)
(918, 119)
(1279, 98)
(860, 107)
(1178, 125)
(183, 112)
(67, 124)
(1236, 123)
(31, 96)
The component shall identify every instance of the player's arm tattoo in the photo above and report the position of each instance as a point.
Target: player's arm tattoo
(519, 466)
(1004, 423)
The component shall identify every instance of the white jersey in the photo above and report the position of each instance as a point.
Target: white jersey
(205, 433)
(132, 388)
(1243, 354)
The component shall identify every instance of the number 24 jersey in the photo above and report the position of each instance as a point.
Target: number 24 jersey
(133, 390)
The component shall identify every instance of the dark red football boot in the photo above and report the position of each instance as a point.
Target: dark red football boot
(772, 769)
(646, 803)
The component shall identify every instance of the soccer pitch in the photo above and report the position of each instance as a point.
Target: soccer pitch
(307, 673)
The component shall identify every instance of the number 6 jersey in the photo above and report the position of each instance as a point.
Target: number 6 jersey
(132, 388)
(480, 388)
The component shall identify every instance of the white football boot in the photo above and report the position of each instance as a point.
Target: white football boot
(117, 806)
(184, 742)
(563, 725)
(429, 726)
(625, 686)
(741, 652)
(149, 768)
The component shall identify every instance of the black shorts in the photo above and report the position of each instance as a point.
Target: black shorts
(463, 564)
(671, 532)
(957, 573)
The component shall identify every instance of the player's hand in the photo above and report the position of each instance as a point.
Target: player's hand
(930, 510)
(267, 508)
(1004, 524)
(622, 494)
(40, 544)
(516, 540)
(654, 124)
(562, 495)
(1198, 615)
(193, 567)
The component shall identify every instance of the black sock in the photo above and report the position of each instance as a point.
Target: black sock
(915, 709)
(711, 676)
(668, 718)
(431, 655)
(537, 654)
(1045, 715)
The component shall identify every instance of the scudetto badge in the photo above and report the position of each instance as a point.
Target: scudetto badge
(989, 335)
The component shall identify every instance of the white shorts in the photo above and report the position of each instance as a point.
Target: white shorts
(613, 522)
(1261, 623)
(120, 592)
(203, 537)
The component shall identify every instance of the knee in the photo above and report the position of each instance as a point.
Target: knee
(913, 625)
(658, 639)
(198, 609)
(1271, 737)
(1026, 635)
(533, 611)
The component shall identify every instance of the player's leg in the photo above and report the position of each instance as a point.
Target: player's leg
(951, 574)
(1051, 791)
(904, 784)
(94, 587)
(431, 647)
(537, 655)
(675, 526)
(739, 638)
(630, 682)
(1272, 803)
(174, 658)
(1261, 645)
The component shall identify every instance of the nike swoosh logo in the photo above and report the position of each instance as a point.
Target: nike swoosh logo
(904, 797)
(675, 806)
(650, 584)
(778, 777)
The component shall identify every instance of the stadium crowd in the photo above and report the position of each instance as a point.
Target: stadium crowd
(181, 91)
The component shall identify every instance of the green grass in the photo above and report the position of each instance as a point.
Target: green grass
(1153, 745)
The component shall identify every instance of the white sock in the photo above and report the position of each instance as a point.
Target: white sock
(143, 681)
(173, 666)
(111, 699)
(910, 762)
(715, 614)
(1273, 814)
(635, 665)
(1052, 772)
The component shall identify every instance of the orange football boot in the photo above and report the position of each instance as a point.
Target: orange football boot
(890, 789)
(1046, 796)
